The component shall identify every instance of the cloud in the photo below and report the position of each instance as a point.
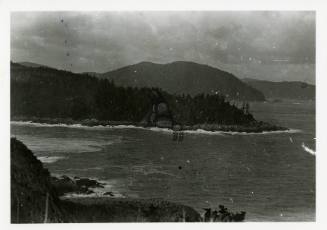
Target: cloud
(100, 41)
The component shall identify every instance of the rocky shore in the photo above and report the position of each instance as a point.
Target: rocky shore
(255, 127)
(36, 198)
(39, 197)
(66, 185)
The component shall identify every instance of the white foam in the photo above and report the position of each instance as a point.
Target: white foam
(155, 129)
(36, 124)
(201, 131)
(268, 132)
(108, 186)
(81, 169)
(77, 126)
(95, 194)
(308, 150)
(164, 130)
(49, 160)
(150, 169)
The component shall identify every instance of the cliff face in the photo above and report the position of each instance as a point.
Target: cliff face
(33, 199)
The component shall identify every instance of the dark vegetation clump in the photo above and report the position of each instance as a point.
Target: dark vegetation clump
(101, 209)
(222, 215)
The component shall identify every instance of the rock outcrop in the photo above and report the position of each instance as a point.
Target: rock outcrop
(159, 115)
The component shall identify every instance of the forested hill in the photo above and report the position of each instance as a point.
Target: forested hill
(184, 77)
(49, 93)
(284, 90)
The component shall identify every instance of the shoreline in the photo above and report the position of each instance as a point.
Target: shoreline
(258, 128)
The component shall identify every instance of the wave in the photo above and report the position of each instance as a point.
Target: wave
(308, 150)
(266, 132)
(202, 131)
(94, 194)
(80, 126)
(150, 170)
(155, 129)
(57, 145)
(49, 160)
(80, 169)
(36, 124)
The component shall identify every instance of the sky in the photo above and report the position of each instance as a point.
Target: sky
(269, 45)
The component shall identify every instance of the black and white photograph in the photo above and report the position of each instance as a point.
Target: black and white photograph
(162, 116)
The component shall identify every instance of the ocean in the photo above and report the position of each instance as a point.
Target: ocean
(270, 175)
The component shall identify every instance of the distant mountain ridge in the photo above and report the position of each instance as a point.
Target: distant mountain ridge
(191, 78)
(283, 90)
(184, 78)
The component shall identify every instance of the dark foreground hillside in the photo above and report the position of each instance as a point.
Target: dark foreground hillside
(31, 190)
